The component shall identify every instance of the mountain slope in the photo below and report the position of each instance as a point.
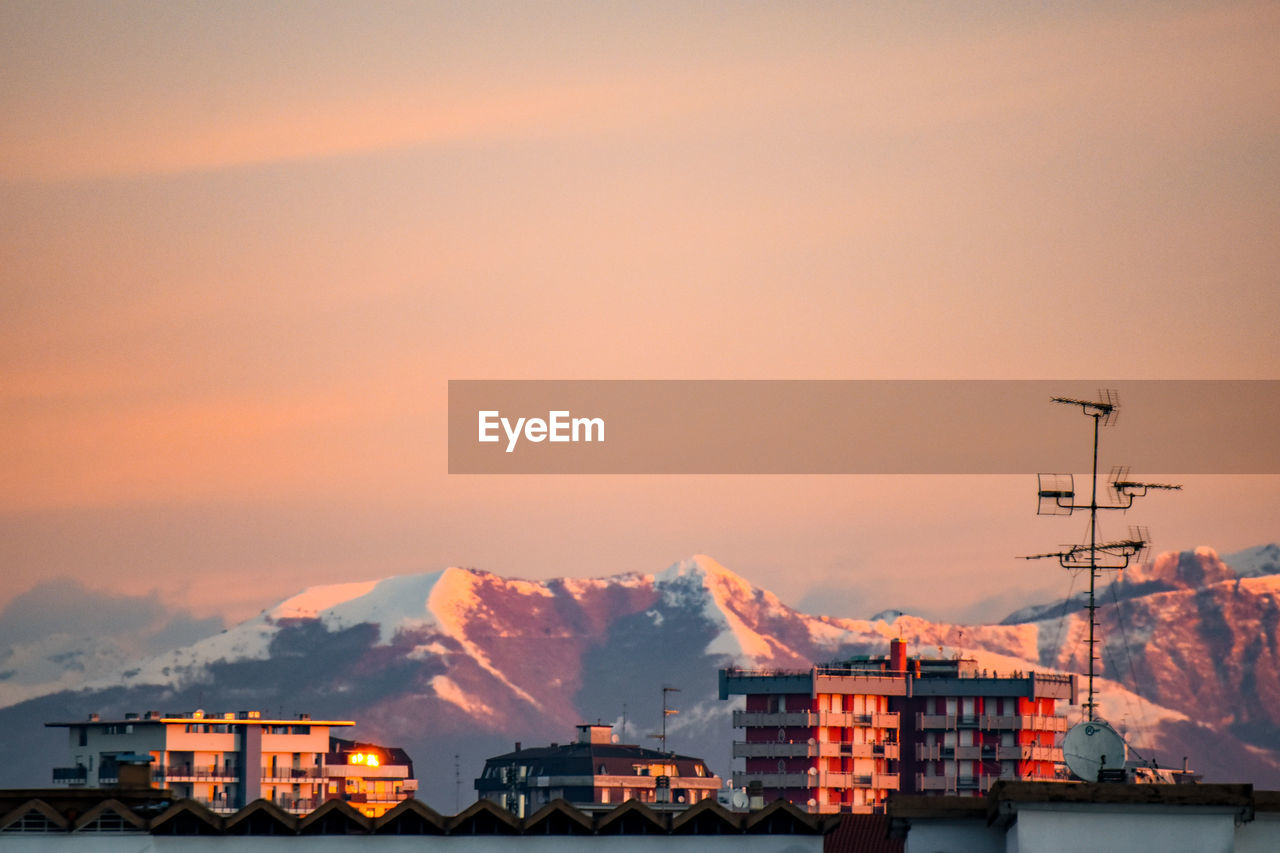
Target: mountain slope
(462, 662)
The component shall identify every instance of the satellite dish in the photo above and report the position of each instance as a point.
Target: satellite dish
(1092, 747)
(738, 799)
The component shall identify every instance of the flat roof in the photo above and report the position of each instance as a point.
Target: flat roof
(221, 721)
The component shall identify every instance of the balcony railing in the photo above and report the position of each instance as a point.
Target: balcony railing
(769, 749)
(954, 783)
(288, 773)
(838, 719)
(301, 805)
(1002, 722)
(182, 772)
(821, 779)
(71, 775)
(885, 781)
(987, 752)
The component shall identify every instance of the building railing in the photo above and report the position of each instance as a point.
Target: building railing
(1002, 722)
(301, 805)
(785, 750)
(822, 749)
(820, 779)
(839, 719)
(987, 751)
(288, 773)
(78, 775)
(885, 781)
(179, 772)
(954, 783)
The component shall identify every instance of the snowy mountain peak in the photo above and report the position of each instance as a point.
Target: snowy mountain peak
(1183, 570)
(728, 601)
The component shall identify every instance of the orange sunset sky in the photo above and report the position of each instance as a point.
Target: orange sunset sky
(244, 246)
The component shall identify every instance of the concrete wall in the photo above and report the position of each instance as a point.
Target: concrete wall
(954, 836)
(1260, 835)
(1044, 829)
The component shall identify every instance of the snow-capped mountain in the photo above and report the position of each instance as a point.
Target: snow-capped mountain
(462, 662)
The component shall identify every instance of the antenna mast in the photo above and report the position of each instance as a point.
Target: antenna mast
(666, 712)
(1057, 496)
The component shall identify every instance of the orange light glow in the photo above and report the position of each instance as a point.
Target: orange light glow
(368, 759)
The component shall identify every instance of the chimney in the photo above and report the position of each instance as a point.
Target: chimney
(755, 795)
(898, 655)
(517, 746)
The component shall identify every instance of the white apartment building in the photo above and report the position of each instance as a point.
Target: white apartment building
(228, 760)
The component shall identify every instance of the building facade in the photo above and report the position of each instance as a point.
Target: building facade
(228, 760)
(841, 737)
(592, 773)
(373, 779)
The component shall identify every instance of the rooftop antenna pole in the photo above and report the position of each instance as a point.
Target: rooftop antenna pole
(666, 712)
(1057, 497)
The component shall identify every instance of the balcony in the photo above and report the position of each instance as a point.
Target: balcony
(288, 774)
(869, 750)
(885, 781)
(820, 779)
(1017, 722)
(188, 773)
(954, 783)
(998, 722)
(777, 719)
(838, 719)
(78, 775)
(785, 750)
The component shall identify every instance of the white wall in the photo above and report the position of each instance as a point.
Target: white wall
(954, 836)
(1260, 835)
(1044, 829)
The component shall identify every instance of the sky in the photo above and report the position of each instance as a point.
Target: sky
(244, 247)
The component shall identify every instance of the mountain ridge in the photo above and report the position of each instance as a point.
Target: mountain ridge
(468, 660)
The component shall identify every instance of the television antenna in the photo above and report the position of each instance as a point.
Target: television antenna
(1057, 496)
(666, 712)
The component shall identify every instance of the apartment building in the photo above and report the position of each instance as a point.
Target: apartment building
(374, 779)
(228, 760)
(840, 737)
(594, 773)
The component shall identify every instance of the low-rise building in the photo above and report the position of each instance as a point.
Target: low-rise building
(228, 760)
(592, 773)
(373, 778)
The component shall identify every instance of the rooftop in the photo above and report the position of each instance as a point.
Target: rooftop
(233, 718)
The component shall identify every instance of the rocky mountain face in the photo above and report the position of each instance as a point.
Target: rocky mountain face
(456, 665)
